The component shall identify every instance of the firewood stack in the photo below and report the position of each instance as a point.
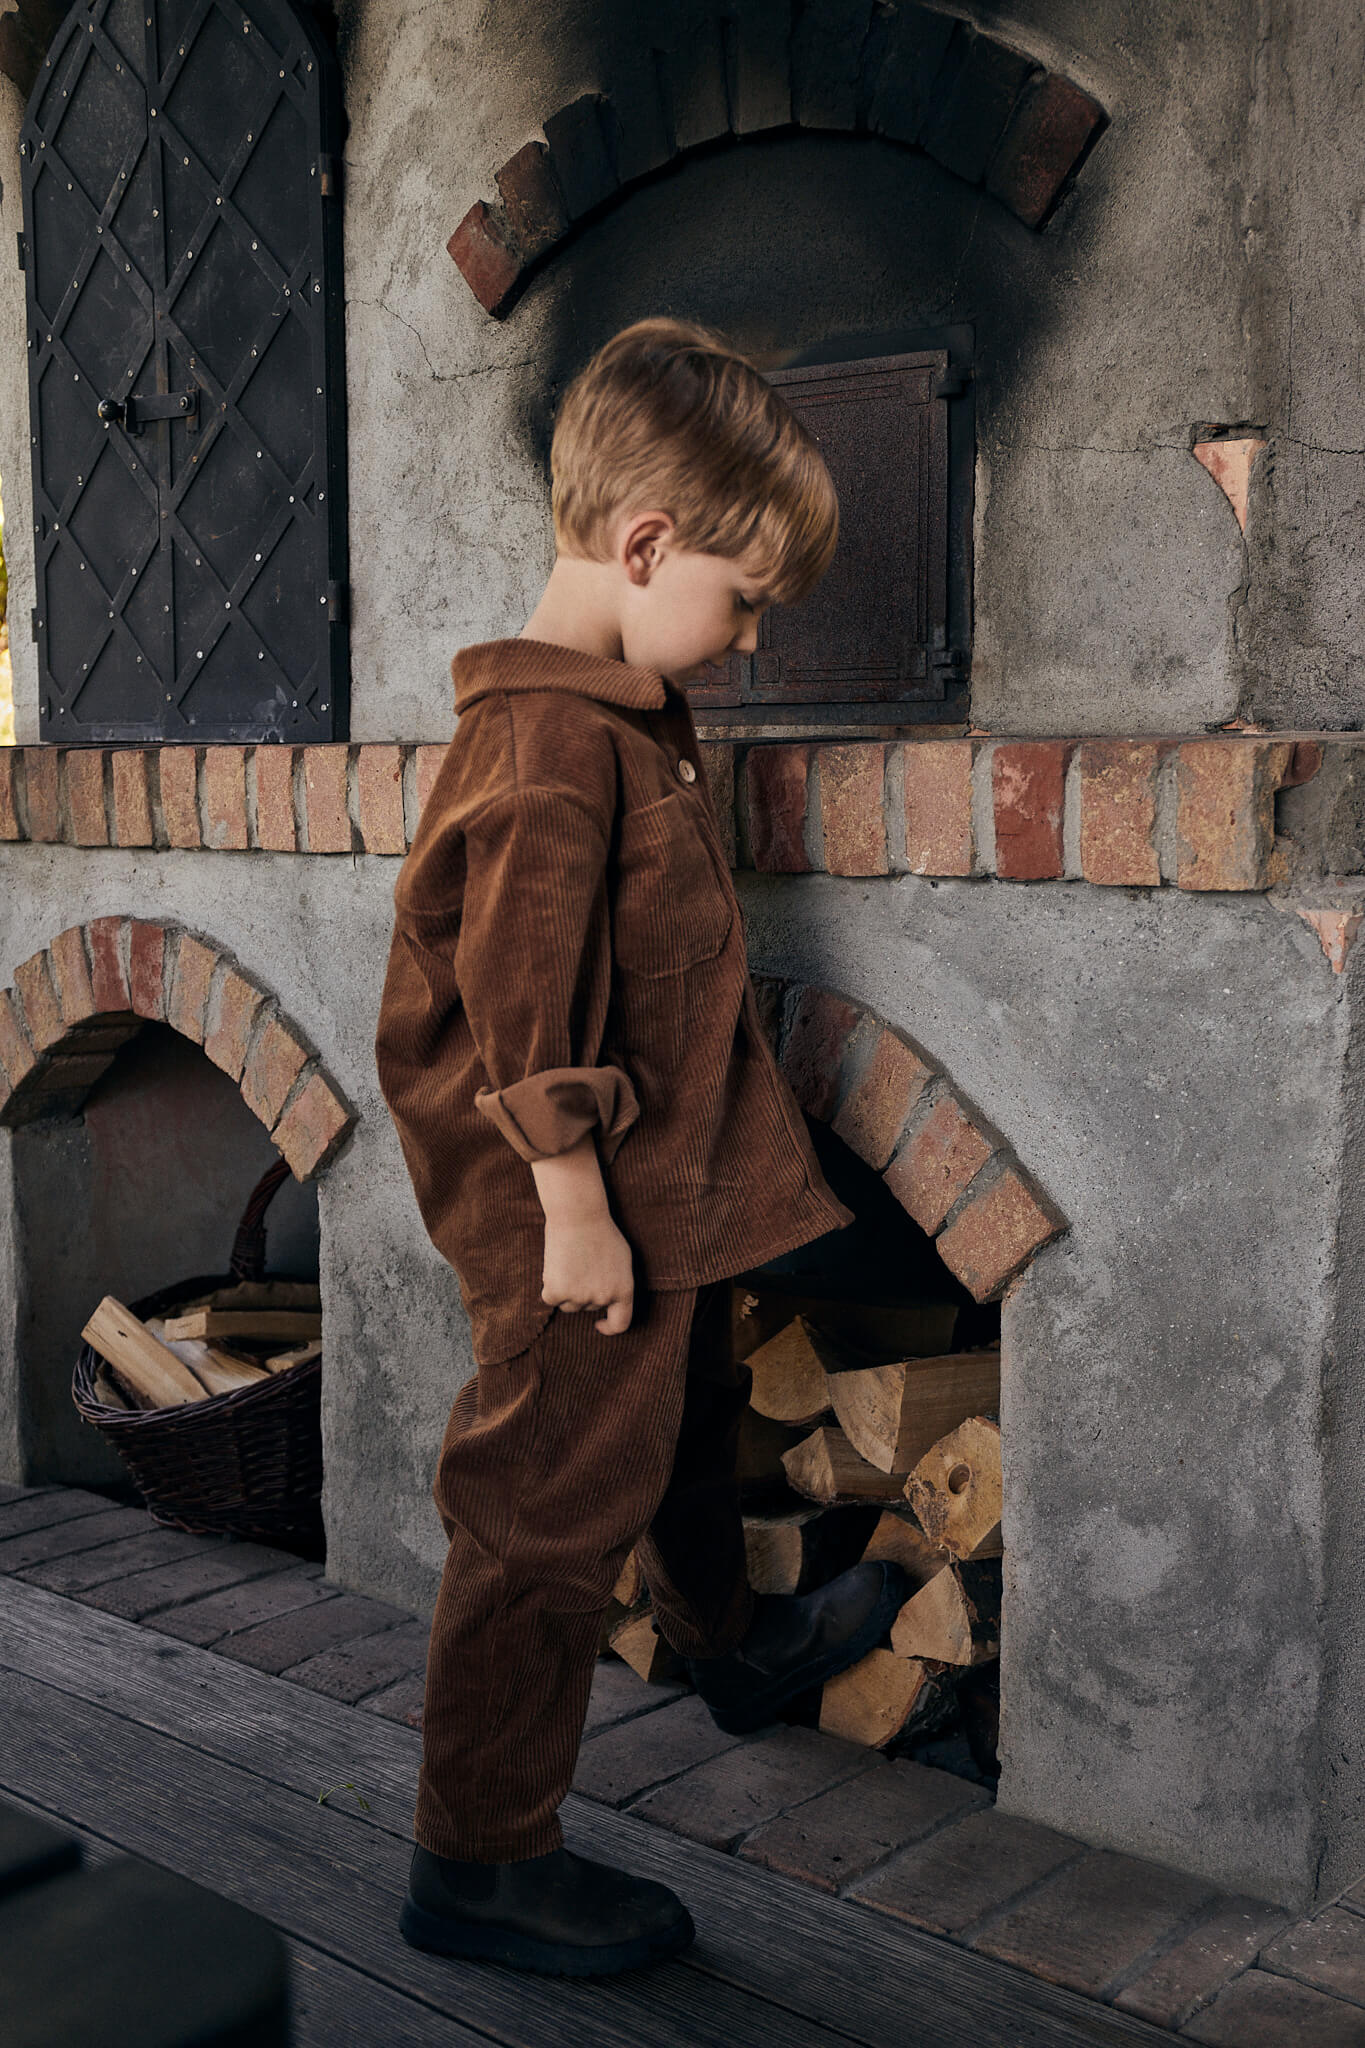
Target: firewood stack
(844, 1457)
(230, 1338)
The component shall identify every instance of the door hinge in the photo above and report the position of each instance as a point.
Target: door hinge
(329, 176)
(23, 250)
(338, 602)
(34, 622)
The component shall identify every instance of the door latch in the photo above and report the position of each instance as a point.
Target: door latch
(133, 412)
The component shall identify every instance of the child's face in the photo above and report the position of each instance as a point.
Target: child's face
(688, 609)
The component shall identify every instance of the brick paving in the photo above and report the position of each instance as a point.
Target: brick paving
(920, 1845)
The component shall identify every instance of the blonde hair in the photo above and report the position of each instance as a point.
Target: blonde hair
(668, 416)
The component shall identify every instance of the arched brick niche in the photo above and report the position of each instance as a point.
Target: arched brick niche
(989, 113)
(74, 1004)
(896, 1108)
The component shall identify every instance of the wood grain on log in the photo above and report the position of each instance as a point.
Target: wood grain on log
(955, 1489)
(789, 1379)
(892, 1414)
(825, 1467)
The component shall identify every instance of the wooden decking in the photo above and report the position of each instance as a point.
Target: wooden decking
(300, 1808)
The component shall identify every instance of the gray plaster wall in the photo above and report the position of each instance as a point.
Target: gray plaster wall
(1175, 1615)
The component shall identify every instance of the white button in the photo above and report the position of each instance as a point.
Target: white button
(687, 771)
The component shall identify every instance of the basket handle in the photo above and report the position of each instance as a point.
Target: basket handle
(248, 1247)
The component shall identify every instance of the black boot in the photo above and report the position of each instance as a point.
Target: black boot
(559, 1913)
(797, 1640)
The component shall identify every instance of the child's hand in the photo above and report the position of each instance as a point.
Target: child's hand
(588, 1265)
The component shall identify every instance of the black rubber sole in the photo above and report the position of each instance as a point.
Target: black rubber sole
(760, 1708)
(442, 1936)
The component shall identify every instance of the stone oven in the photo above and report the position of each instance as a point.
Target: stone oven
(1051, 883)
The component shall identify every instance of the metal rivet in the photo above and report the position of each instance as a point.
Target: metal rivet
(199, 654)
(260, 657)
(322, 600)
(219, 200)
(156, 210)
(258, 454)
(227, 604)
(258, 558)
(317, 287)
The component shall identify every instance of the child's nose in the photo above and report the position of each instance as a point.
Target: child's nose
(746, 640)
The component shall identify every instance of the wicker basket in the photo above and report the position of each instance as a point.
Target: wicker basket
(248, 1463)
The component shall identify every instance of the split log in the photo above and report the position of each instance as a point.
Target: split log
(795, 1552)
(825, 1467)
(218, 1370)
(298, 1354)
(893, 1414)
(879, 1698)
(261, 1294)
(955, 1619)
(955, 1490)
(139, 1360)
(253, 1325)
(644, 1649)
(789, 1379)
(899, 1537)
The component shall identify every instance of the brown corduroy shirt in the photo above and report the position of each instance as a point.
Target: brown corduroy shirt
(568, 954)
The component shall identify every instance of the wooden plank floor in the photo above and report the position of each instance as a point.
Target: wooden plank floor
(152, 1747)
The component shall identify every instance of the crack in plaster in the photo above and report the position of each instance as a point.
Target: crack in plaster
(440, 376)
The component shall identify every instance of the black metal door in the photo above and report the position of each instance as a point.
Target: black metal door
(182, 245)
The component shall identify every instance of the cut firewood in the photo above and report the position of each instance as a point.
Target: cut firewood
(794, 1552)
(262, 1294)
(899, 1537)
(825, 1467)
(789, 1380)
(762, 1442)
(880, 1330)
(219, 1373)
(138, 1358)
(644, 1649)
(630, 1588)
(893, 1414)
(298, 1354)
(955, 1490)
(955, 1619)
(257, 1325)
(880, 1697)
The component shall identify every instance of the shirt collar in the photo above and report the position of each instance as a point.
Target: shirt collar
(524, 664)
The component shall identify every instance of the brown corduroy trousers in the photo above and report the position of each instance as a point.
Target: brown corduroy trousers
(554, 1464)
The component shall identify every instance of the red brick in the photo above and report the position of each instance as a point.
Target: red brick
(85, 794)
(225, 798)
(9, 805)
(998, 1232)
(276, 830)
(718, 760)
(146, 968)
(108, 977)
(311, 1129)
(830, 1840)
(1027, 781)
(937, 787)
(812, 1059)
(619, 1764)
(229, 1029)
(871, 1116)
(480, 251)
(1259, 2010)
(179, 800)
(304, 1631)
(1327, 1952)
(852, 778)
(1223, 1944)
(38, 996)
(429, 759)
(44, 801)
(938, 1163)
(1093, 1921)
(276, 1062)
(193, 971)
(1118, 811)
(324, 782)
(17, 1056)
(536, 215)
(1225, 821)
(775, 784)
(722, 1801)
(1046, 133)
(956, 1876)
(71, 975)
(132, 798)
(365, 1663)
(379, 790)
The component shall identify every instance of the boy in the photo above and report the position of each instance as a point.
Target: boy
(593, 1120)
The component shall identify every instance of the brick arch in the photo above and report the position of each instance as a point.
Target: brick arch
(73, 1005)
(947, 1166)
(989, 113)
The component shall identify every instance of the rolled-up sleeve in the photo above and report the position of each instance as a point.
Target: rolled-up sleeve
(533, 965)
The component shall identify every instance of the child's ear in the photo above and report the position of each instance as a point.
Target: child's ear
(643, 543)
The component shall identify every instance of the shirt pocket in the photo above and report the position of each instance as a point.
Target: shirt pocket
(672, 908)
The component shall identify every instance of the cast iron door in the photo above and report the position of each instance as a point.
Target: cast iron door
(182, 248)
